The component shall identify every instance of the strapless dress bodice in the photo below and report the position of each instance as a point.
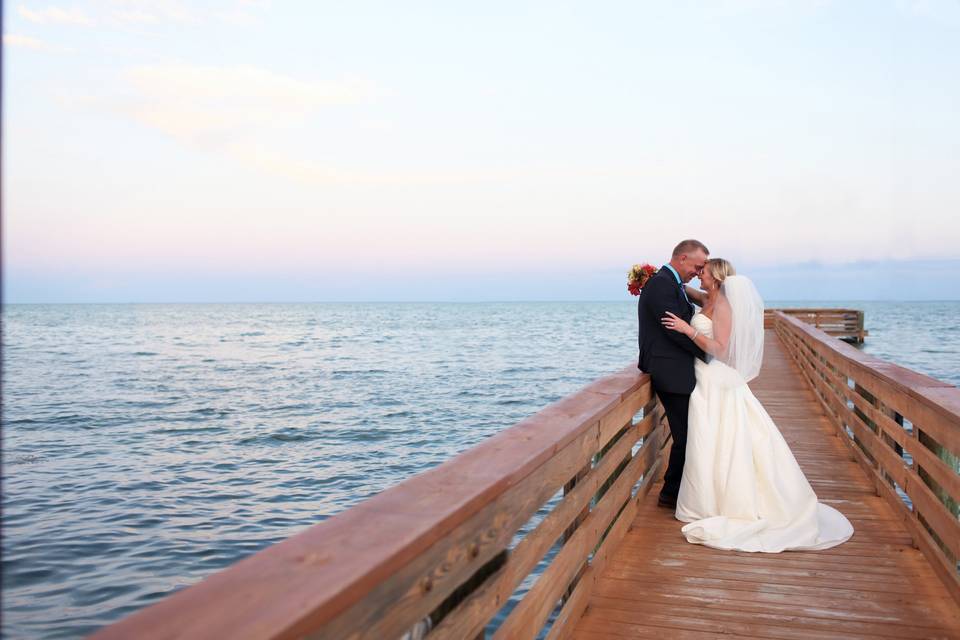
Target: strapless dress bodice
(703, 324)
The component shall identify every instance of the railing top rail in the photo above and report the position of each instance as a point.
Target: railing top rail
(942, 397)
(295, 586)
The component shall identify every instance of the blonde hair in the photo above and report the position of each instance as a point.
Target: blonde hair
(720, 269)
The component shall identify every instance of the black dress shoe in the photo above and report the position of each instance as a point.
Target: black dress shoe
(667, 503)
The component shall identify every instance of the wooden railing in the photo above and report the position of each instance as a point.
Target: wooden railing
(447, 548)
(846, 324)
(904, 427)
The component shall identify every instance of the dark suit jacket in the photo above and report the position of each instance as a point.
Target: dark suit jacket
(666, 355)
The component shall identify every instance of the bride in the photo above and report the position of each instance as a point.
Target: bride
(742, 489)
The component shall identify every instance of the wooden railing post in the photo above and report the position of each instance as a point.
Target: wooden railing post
(569, 531)
(866, 395)
(569, 487)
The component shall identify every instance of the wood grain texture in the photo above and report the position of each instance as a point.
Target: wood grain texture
(877, 585)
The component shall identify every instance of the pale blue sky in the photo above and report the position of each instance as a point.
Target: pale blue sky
(158, 150)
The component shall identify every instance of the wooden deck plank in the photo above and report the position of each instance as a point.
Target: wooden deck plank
(877, 585)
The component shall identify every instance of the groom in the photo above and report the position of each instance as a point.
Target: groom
(668, 355)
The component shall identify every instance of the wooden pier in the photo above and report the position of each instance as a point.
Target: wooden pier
(569, 495)
(846, 324)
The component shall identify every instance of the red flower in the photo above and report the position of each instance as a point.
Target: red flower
(638, 276)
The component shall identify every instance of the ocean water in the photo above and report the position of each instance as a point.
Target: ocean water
(147, 446)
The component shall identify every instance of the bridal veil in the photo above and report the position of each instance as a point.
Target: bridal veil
(745, 347)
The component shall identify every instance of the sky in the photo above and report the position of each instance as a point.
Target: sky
(230, 150)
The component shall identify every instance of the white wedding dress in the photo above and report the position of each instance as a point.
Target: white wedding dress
(742, 489)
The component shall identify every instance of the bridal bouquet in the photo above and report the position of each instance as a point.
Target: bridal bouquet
(638, 276)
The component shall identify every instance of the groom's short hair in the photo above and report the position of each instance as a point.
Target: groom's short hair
(689, 246)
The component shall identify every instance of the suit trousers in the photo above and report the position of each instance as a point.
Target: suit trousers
(676, 406)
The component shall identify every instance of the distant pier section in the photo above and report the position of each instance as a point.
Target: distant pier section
(846, 324)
